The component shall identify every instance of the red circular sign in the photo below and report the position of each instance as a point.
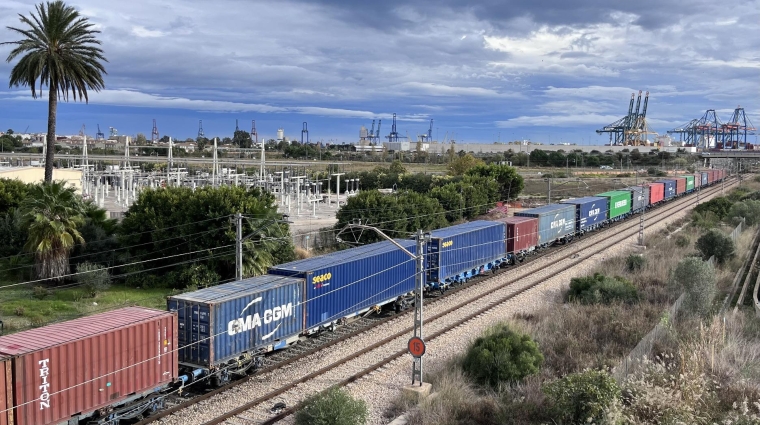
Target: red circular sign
(416, 346)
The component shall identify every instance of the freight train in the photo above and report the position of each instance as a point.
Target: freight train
(120, 364)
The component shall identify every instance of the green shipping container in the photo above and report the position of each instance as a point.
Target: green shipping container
(689, 182)
(620, 202)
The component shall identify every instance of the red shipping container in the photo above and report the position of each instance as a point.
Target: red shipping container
(522, 233)
(6, 400)
(656, 192)
(697, 180)
(711, 176)
(680, 184)
(80, 366)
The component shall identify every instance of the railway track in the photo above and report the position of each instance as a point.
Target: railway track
(358, 352)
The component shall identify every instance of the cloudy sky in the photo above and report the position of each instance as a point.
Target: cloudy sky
(483, 70)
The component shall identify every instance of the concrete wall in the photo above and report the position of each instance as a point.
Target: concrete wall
(37, 175)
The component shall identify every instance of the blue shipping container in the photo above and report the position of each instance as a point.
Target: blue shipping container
(345, 283)
(555, 221)
(458, 252)
(704, 179)
(670, 188)
(590, 211)
(220, 323)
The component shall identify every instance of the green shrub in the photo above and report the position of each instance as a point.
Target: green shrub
(585, 397)
(601, 289)
(748, 209)
(635, 262)
(332, 407)
(40, 292)
(682, 241)
(716, 243)
(502, 355)
(719, 206)
(697, 279)
(93, 278)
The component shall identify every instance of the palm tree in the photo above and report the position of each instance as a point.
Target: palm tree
(60, 50)
(52, 214)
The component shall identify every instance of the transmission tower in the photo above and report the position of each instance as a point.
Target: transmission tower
(200, 129)
(154, 134)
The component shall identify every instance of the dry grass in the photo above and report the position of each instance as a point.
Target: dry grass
(302, 254)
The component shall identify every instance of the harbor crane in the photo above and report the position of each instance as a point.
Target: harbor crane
(632, 129)
(99, 135)
(709, 131)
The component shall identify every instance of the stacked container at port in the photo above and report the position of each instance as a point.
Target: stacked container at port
(521, 236)
(669, 189)
(656, 192)
(556, 222)
(689, 182)
(6, 391)
(697, 180)
(221, 323)
(590, 212)
(347, 283)
(459, 252)
(639, 198)
(619, 203)
(66, 371)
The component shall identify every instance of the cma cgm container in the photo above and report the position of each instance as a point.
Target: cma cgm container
(522, 234)
(555, 221)
(66, 371)
(705, 179)
(346, 283)
(656, 192)
(639, 197)
(620, 202)
(220, 323)
(689, 182)
(6, 392)
(590, 212)
(697, 180)
(670, 188)
(458, 252)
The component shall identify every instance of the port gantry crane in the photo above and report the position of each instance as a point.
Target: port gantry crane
(427, 137)
(632, 129)
(710, 132)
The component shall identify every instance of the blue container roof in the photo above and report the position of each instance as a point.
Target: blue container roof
(234, 290)
(547, 209)
(584, 200)
(448, 232)
(340, 257)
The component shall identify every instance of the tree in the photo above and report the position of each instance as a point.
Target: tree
(696, 278)
(538, 157)
(60, 50)
(716, 243)
(242, 139)
(201, 142)
(12, 193)
(510, 182)
(93, 278)
(178, 221)
(502, 356)
(584, 397)
(748, 209)
(462, 164)
(332, 407)
(140, 139)
(52, 215)
(396, 167)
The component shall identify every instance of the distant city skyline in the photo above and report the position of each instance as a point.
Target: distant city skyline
(547, 71)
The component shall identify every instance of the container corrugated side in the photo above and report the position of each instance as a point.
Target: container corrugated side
(670, 188)
(222, 322)
(590, 211)
(680, 185)
(620, 202)
(697, 180)
(464, 248)
(711, 176)
(555, 221)
(656, 192)
(522, 233)
(639, 197)
(705, 178)
(689, 182)
(347, 282)
(82, 365)
(6, 392)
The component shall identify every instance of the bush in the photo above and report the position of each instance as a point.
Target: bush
(332, 407)
(585, 397)
(600, 289)
(716, 243)
(748, 209)
(635, 262)
(720, 206)
(93, 278)
(697, 279)
(682, 241)
(502, 356)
